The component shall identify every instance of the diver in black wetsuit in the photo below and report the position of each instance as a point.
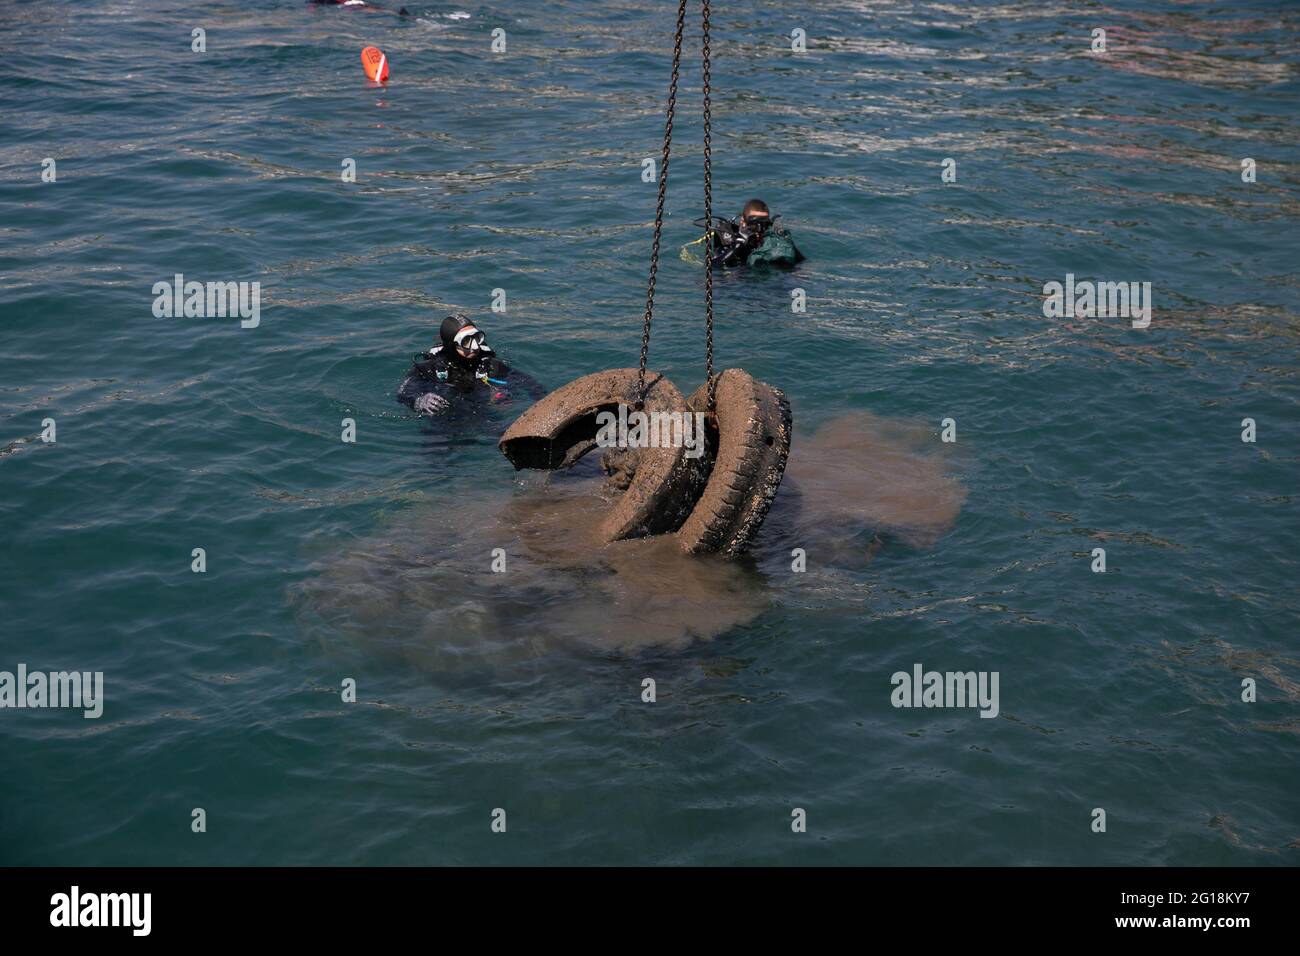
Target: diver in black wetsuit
(753, 237)
(462, 369)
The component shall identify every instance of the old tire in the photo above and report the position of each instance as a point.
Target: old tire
(752, 436)
(561, 428)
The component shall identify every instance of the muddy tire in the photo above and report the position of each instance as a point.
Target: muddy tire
(751, 438)
(619, 466)
(561, 428)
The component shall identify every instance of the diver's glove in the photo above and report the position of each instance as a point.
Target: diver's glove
(430, 404)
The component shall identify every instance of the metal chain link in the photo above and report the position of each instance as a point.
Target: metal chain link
(708, 215)
(659, 208)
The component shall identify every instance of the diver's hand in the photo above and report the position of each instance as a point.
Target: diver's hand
(431, 404)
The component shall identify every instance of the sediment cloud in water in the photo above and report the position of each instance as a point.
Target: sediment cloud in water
(423, 590)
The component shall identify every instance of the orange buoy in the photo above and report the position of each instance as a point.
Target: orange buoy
(375, 64)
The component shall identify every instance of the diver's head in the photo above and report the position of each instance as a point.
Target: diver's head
(756, 208)
(756, 216)
(461, 339)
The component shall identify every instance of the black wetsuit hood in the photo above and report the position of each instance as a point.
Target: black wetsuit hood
(451, 325)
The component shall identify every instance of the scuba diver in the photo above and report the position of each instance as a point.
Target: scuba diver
(462, 369)
(753, 238)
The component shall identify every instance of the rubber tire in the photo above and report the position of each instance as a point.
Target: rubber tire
(752, 434)
(561, 427)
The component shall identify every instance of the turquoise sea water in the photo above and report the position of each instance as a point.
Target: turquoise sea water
(522, 171)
